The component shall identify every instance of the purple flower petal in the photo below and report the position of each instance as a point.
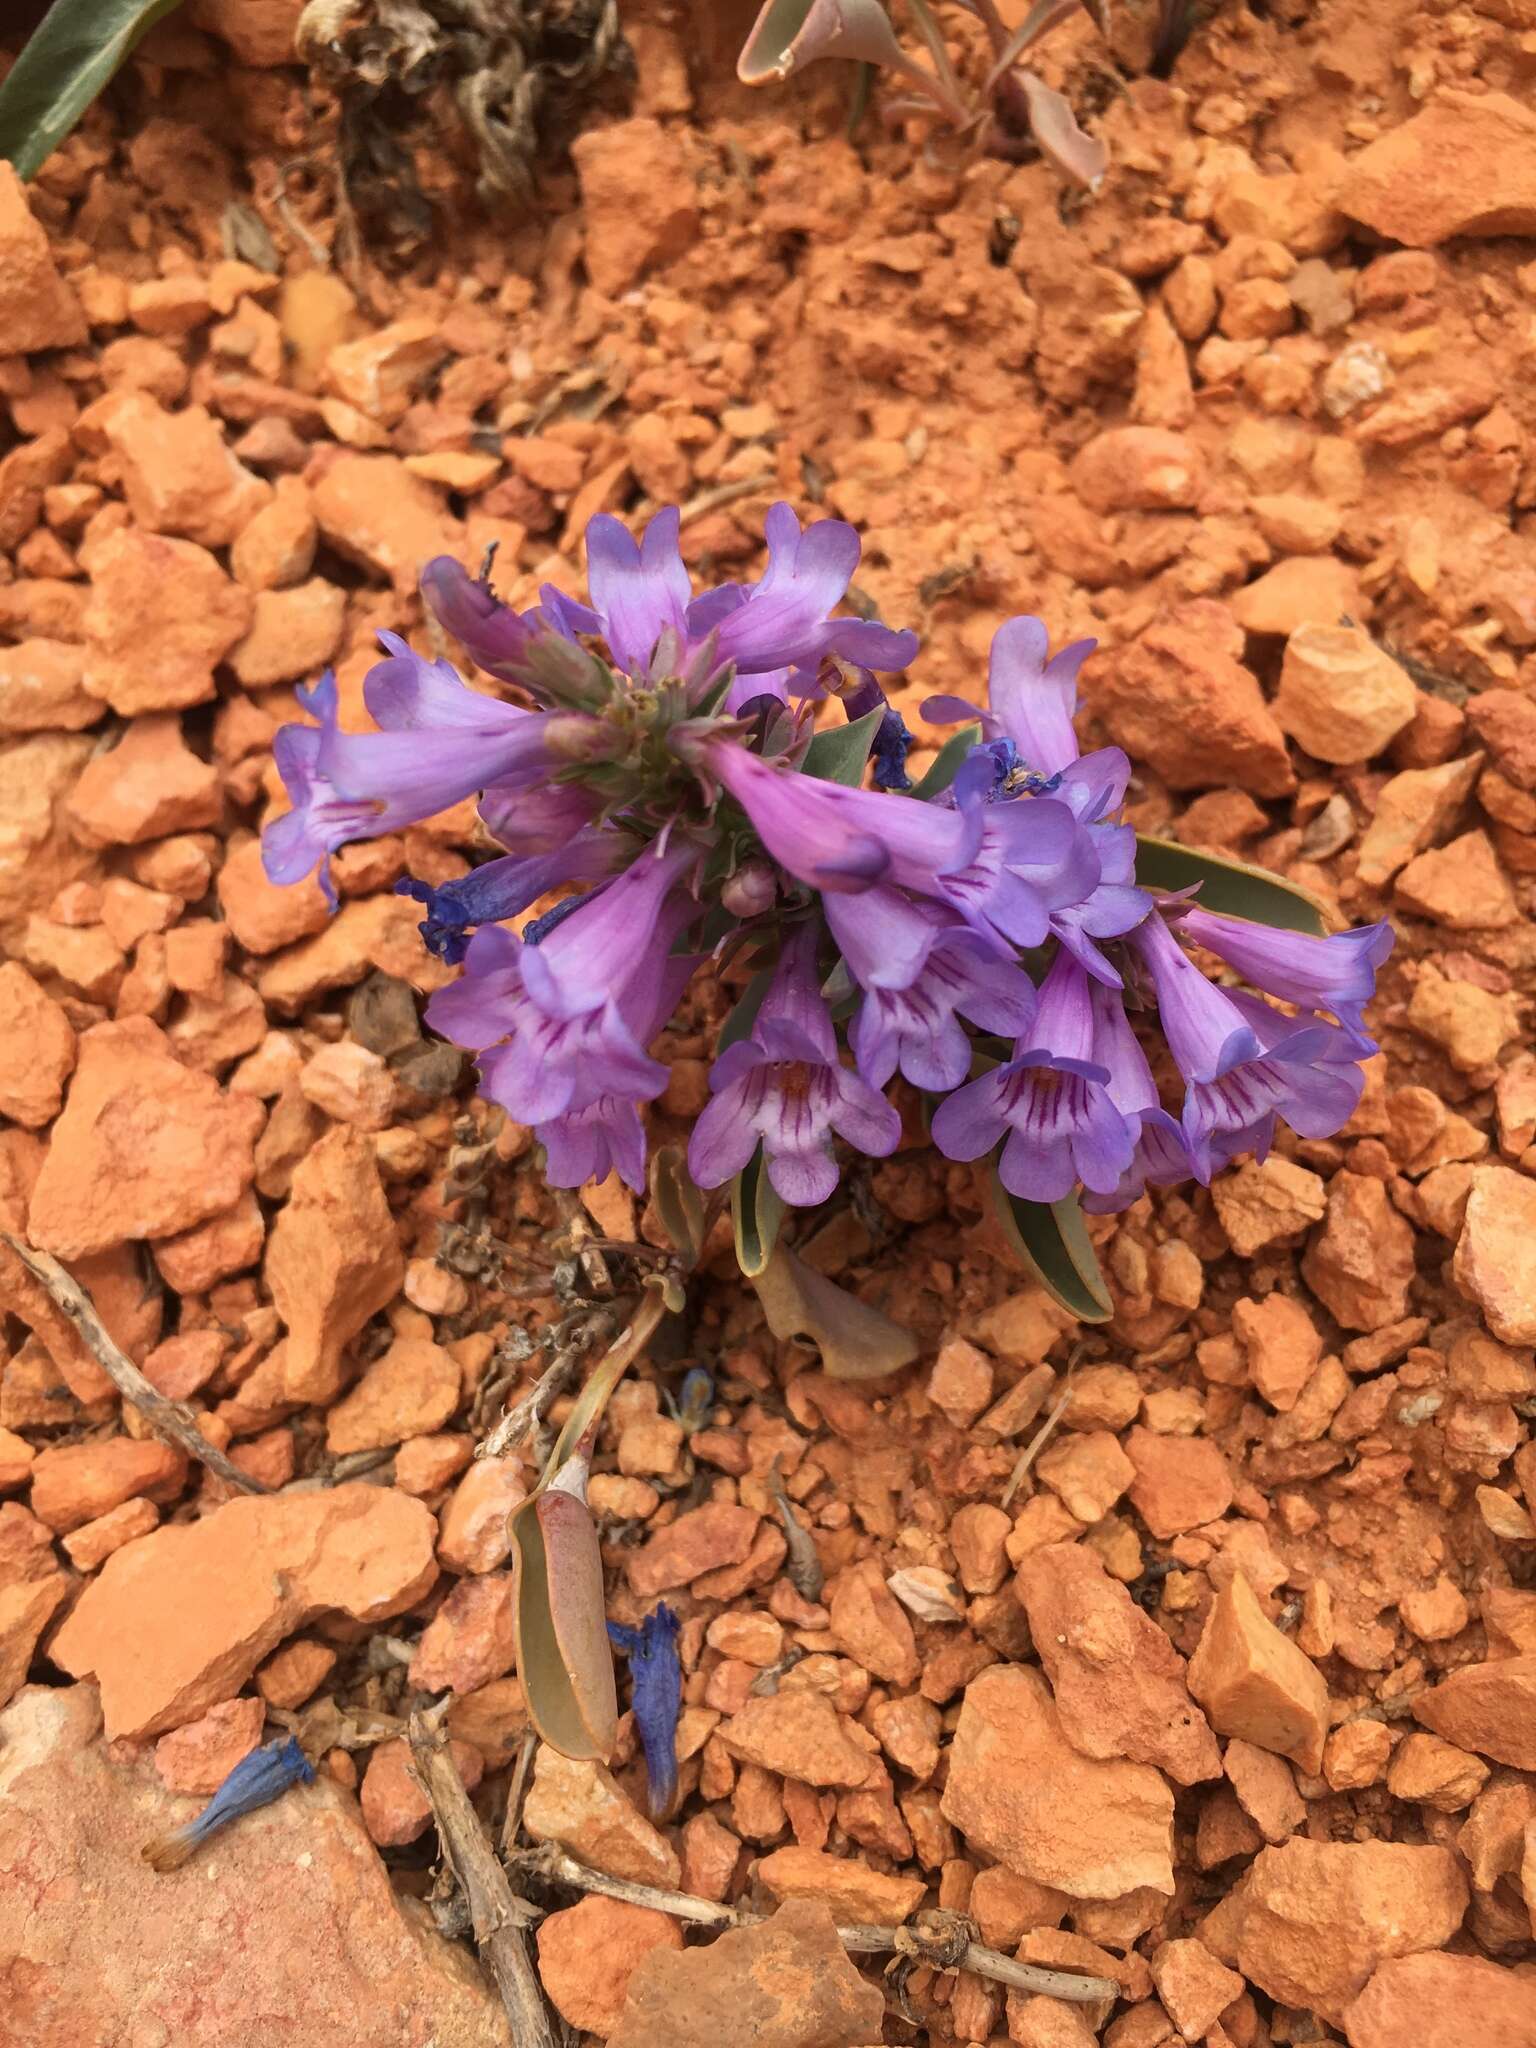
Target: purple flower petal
(1032, 697)
(1336, 973)
(1205, 1030)
(637, 592)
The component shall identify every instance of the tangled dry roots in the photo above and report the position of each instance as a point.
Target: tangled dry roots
(520, 73)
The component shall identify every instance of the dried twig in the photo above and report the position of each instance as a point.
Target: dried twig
(721, 494)
(519, 1423)
(173, 1420)
(512, 1819)
(499, 1918)
(912, 1941)
(1036, 1445)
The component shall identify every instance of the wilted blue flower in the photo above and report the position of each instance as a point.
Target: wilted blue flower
(255, 1781)
(656, 1680)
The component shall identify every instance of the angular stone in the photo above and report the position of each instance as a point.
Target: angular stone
(1265, 1789)
(300, 1933)
(1464, 165)
(144, 1148)
(1411, 812)
(588, 1953)
(37, 1049)
(1489, 1708)
(1460, 886)
(869, 1626)
(162, 616)
(150, 784)
(1258, 1205)
(1255, 1683)
(960, 1385)
(195, 1760)
(333, 1259)
(179, 474)
(27, 1606)
(1087, 1473)
(41, 688)
(1432, 2000)
(265, 915)
(372, 510)
(1180, 1481)
(1305, 590)
(1340, 696)
(1309, 1922)
(73, 1484)
(582, 1807)
(1495, 1263)
(410, 1391)
(1282, 1344)
(700, 1541)
(1180, 699)
(799, 1734)
(1433, 1773)
(639, 207)
(1118, 1682)
(178, 1621)
(785, 1983)
(469, 1641)
(849, 1889)
(1361, 1262)
(474, 1524)
(1019, 1791)
(395, 1809)
(1195, 1989)
(37, 308)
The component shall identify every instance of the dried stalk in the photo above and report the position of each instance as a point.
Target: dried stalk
(172, 1420)
(982, 1962)
(499, 1919)
(519, 1423)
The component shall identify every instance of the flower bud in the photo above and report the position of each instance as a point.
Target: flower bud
(753, 889)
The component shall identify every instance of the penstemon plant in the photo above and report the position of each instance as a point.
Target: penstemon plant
(995, 933)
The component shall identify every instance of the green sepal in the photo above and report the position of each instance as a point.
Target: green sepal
(1052, 1240)
(841, 754)
(946, 764)
(757, 1214)
(1230, 887)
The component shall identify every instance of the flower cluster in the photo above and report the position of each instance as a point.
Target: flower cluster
(983, 934)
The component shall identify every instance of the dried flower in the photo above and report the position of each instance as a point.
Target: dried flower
(656, 1678)
(256, 1780)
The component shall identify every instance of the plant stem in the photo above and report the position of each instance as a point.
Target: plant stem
(172, 1420)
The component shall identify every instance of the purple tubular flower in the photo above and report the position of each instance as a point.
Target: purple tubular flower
(1307, 1072)
(1160, 1157)
(844, 839)
(439, 742)
(656, 1679)
(782, 621)
(1032, 862)
(637, 591)
(917, 1027)
(1337, 974)
(1052, 1101)
(1033, 694)
(494, 636)
(528, 821)
(785, 1088)
(254, 1782)
(503, 888)
(1206, 1031)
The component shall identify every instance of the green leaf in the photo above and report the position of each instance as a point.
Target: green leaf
(840, 754)
(757, 1215)
(1052, 1241)
(678, 1203)
(856, 1341)
(739, 1023)
(1230, 887)
(65, 65)
(947, 763)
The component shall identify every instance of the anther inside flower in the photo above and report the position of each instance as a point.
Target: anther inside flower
(984, 935)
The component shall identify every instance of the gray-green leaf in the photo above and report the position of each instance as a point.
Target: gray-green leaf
(65, 65)
(856, 1341)
(840, 754)
(1228, 886)
(1052, 1241)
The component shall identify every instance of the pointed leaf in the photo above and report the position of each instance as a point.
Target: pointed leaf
(1228, 886)
(563, 1655)
(1044, 15)
(1054, 126)
(789, 34)
(947, 764)
(757, 1214)
(678, 1203)
(841, 753)
(1052, 1241)
(739, 1023)
(67, 63)
(856, 1341)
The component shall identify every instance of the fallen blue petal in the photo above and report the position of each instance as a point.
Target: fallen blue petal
(255, 1781)
(656, 1678)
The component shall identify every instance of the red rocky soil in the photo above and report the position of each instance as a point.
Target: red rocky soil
(1236, 1703)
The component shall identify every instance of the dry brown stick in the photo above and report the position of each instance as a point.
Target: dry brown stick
(519, 1423)
(173, 1420)
(722, 494)
(982, 1962)
(512, 1819)
(499, 1918)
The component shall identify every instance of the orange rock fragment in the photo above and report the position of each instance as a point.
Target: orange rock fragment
(589, 1952)
(582, 1807)
(850, 1889)
(1255, 1683)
